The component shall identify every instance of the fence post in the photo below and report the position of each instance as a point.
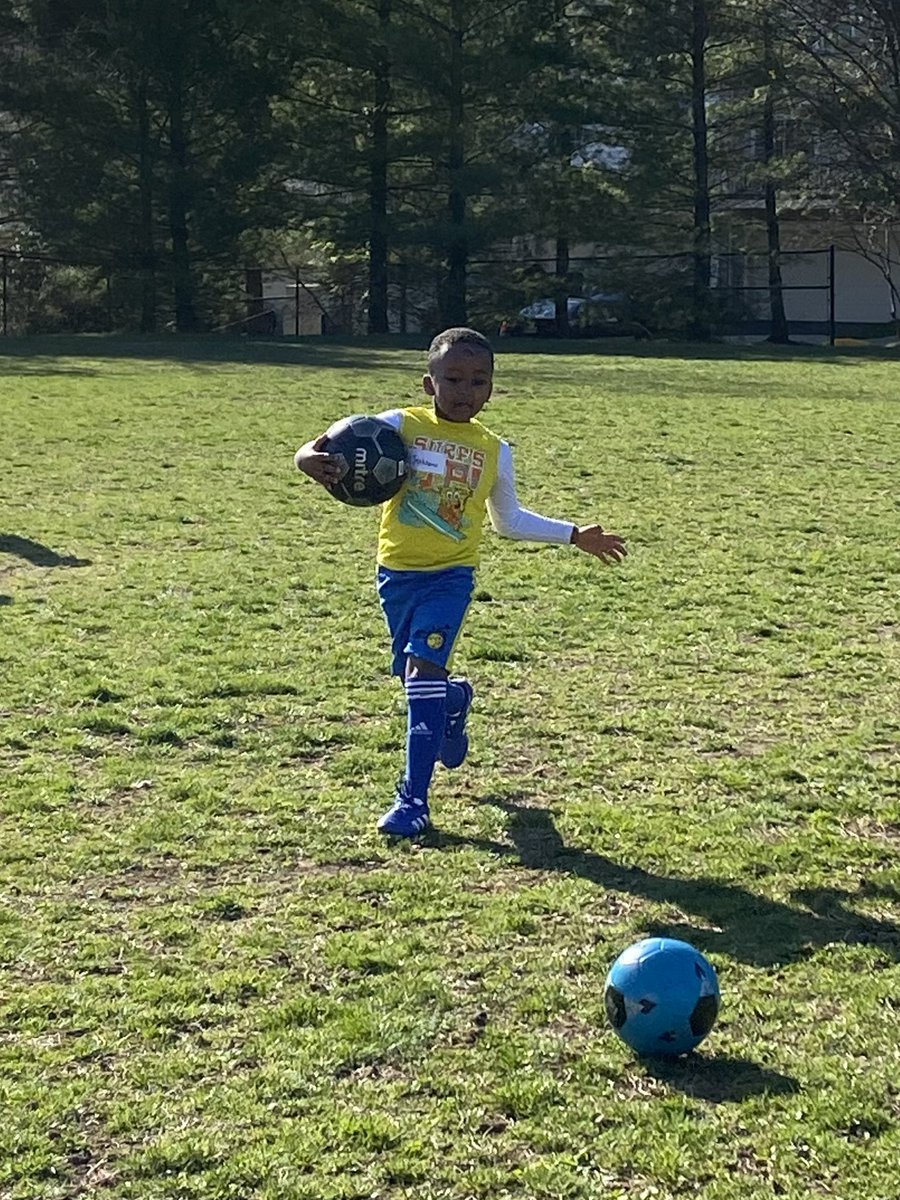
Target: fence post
(5, 278)
(404, 287)
(832, 262)
(253, 289)
(296, 301)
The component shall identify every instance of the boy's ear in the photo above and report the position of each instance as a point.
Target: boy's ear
(428, 384)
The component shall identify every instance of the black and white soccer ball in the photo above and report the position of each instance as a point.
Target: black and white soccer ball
(373, 458)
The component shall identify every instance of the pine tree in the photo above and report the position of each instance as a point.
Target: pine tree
(676, 63)
(851, 85)
(570, 190)
(143, 136)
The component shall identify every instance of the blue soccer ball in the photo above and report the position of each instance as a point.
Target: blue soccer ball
(662, 996)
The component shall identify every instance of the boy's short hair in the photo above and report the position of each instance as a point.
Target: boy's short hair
(460, 335)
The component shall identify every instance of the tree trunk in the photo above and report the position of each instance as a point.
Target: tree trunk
(700, 323)
(778, 331)
(378, 181)
(453, 307)
(562, 287)
(179, 198)
(147, 248)
(404, 295)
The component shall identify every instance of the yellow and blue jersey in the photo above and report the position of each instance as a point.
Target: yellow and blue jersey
(436, 520)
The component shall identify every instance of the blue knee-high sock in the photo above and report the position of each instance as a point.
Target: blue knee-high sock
(456, 698)
(426, 708)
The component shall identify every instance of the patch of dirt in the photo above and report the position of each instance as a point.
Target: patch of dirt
(168, 879)
(634, 1084)
(570, 1029)
(868, 829)
(885, 751)
(748, 749)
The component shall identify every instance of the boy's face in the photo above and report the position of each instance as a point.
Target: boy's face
(460, 382)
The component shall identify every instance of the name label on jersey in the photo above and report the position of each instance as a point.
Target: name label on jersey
(427, 462)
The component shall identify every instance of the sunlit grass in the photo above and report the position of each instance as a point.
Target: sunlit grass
(220, 982)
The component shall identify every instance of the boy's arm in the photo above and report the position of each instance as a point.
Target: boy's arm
(312, 460)
(592, 539)
(324, 468)
(511, 520)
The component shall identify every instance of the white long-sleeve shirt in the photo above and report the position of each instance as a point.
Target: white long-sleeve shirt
(507, 516)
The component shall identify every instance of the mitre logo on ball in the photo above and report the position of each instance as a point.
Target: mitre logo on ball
(373, 460)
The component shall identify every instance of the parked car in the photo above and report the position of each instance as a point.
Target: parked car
(601, 314)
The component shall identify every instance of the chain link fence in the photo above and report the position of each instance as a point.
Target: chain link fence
(45, 295)
(823, 290)
(657, 295)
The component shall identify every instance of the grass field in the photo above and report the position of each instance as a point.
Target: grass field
(219, 981)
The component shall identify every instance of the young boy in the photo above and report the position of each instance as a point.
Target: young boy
(428, 547)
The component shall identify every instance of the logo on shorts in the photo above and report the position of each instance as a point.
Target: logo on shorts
(435, 641)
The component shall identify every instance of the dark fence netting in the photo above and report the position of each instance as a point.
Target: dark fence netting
(643, 296)
(823, 292)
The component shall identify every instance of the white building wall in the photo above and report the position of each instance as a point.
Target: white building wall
(806, 272)
(861, 293)
(291, 306)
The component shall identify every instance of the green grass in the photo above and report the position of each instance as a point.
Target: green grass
(218, 981)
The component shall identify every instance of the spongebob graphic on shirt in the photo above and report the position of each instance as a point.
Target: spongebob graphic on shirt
(442, 478)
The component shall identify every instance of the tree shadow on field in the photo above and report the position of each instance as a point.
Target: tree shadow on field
(730, 919)
(374, 351)
(37, 554)
(719, 1080)
(42, 366)
(41, 354)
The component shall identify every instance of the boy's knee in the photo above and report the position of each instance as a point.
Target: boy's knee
(421, 668)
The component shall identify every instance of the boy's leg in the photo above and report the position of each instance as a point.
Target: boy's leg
(426, 704)
(457, 694)
(455, 743)
(429, 621)
(426, 699)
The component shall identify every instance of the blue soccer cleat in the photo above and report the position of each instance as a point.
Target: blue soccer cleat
(406, 817)
(455, 745)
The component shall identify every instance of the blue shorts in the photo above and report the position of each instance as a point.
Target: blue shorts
(425, 611)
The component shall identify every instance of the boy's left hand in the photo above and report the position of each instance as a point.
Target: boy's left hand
(608, 547)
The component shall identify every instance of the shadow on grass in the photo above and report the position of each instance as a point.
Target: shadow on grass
(40, 355)
(44, 366)
(38, 554)
(37, 354)
(4, 600)
(719, 1080)
(731, 920)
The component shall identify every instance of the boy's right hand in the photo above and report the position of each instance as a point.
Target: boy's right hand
(313, 461)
